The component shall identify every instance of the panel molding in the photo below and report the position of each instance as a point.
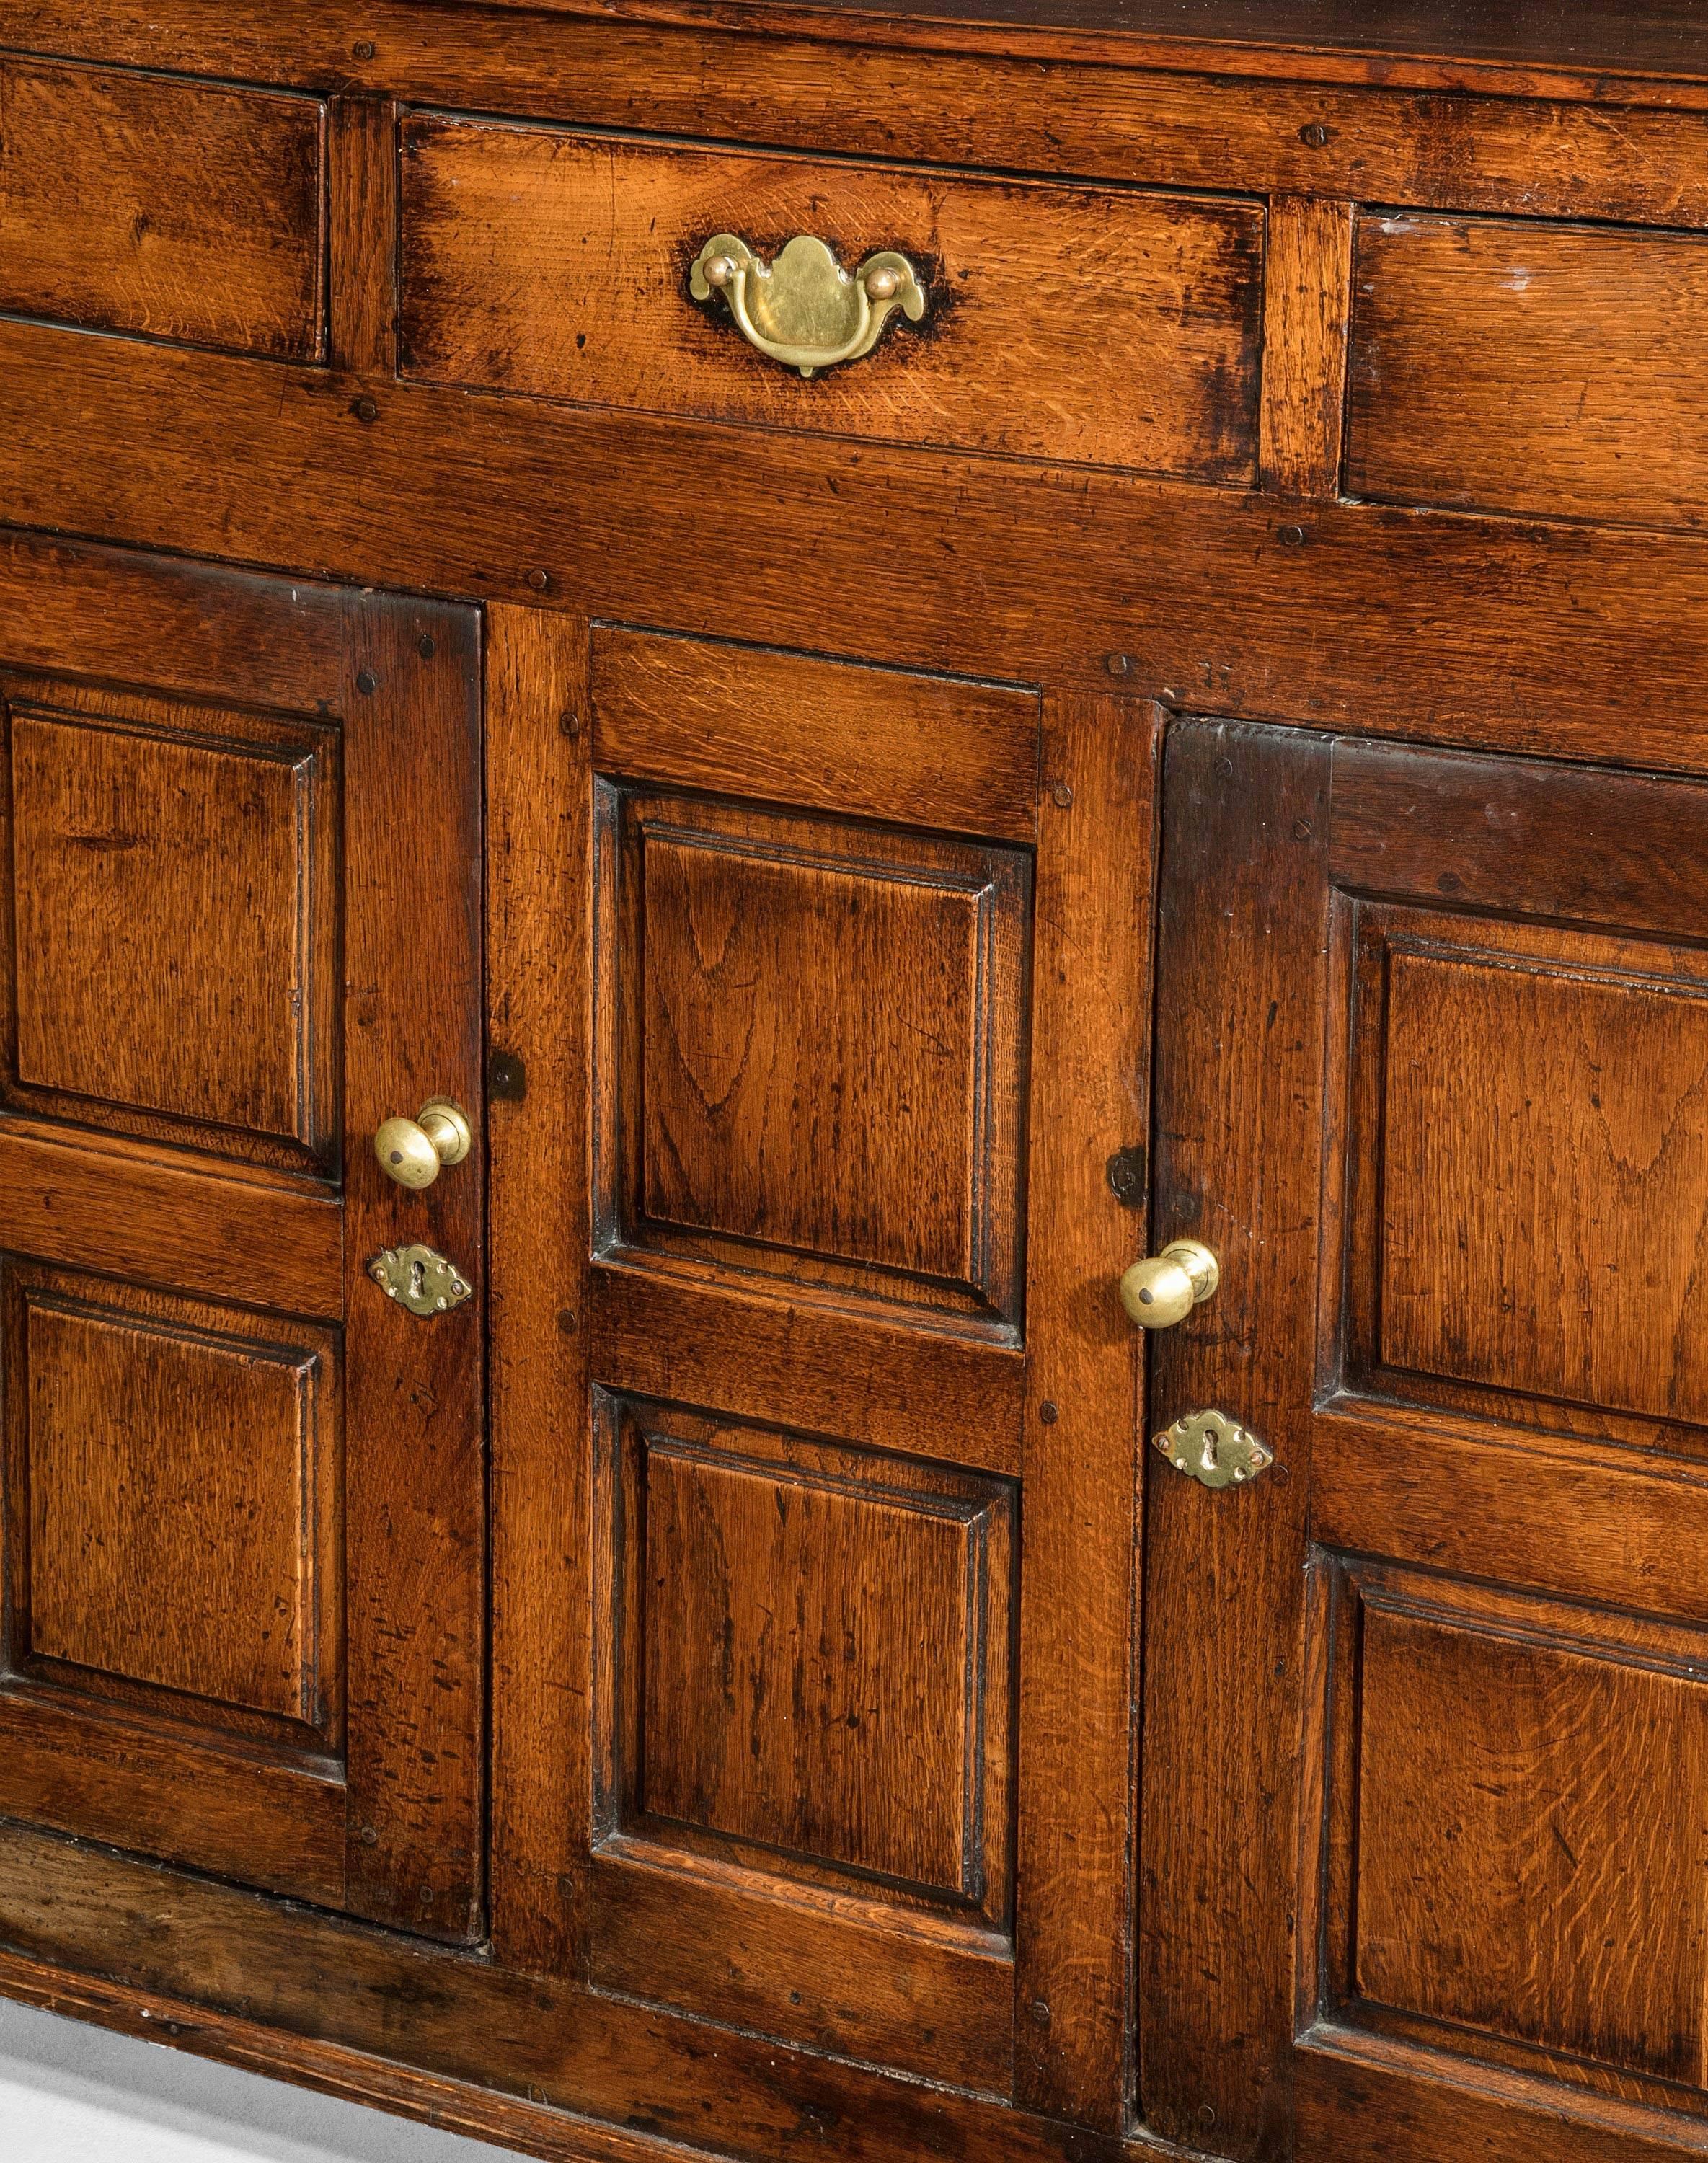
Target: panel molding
(46, 1314)
(673, 1479)
(1636, 2017)
(230, 910)
(808, 1061)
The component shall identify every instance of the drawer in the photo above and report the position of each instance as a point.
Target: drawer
(1098, 324)
(1514, 365)
(186, 211)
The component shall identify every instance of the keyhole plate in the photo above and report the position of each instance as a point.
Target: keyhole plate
(420, 1279)
(1216, 1450)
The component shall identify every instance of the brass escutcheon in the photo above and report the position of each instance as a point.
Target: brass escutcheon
(1216, 1450)
(420, 1279)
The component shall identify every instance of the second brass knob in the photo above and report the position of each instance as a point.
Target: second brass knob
(412, 1151)
(1164, 1289)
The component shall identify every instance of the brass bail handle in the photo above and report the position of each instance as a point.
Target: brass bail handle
(412, 1151)
(804, 311)
(1164, 1289)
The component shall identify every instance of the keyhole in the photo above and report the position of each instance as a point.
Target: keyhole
(417, 1279)
(1209, 1460)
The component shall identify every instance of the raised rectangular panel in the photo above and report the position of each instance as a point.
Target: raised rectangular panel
(1526, 1781)
(178, 865)
(1532, 1211)
(171, 1500)
(810, 1660)
(811, 1032)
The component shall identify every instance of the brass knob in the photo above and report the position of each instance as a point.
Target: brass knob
(1165, 1288)
(412, 1150)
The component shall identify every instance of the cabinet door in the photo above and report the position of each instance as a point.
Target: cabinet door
(241, 1487)
(815, 1434)
(1426, 1832)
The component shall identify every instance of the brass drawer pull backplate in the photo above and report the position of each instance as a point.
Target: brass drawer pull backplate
(804, 310)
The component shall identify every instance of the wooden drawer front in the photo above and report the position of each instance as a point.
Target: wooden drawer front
(1514, 365)
(1093, 324)
(184, 211)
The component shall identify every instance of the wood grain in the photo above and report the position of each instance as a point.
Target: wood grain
(190, 854)
(868, 1748)
(141, 1212)
(177, 1474)
(599, 2061)
(539, 935)
(1511, 1873)
(793, 728)
(1306, 304)
(183, 211)
(1080, 1524)
(1514, 636)
(1354, 2089)
(556, 265)
(865, 1377)
(1530, 369)
(1545, 1204)
(822, 81)
(1477, 1504)
(362, 235)
(414, 1390)
(1243, 910)
(1590, 846)
(814, 1034)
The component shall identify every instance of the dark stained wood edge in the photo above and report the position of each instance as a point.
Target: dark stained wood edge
(362, 193)
(982, 30)
(1542, 838)
(539, 964)
(1307, 322)
(1242, 911)
(812, 82)
(1355, 2091)
(314, 1977)
(450, 2106)
(79, 608)
(414, 1481)
(1079, 1512)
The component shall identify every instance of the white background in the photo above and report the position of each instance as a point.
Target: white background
(73, 2094)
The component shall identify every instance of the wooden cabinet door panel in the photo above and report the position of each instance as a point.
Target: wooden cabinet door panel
(1423, 1833)
(829, 1629)
(241, 1490)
